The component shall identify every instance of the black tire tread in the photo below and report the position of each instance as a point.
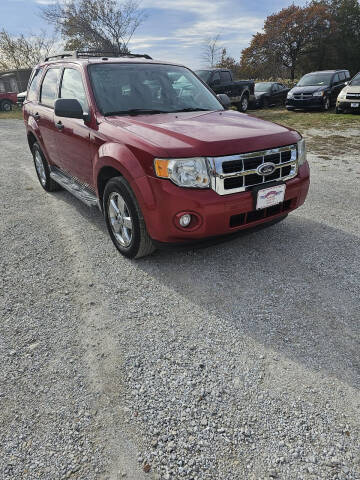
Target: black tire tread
(146, 245)
(51, 185)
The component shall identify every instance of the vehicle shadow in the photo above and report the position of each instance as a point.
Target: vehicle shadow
(291, 287)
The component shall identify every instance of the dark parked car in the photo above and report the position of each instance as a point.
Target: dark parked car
(317, 90)
(270, 93)
(241, 92)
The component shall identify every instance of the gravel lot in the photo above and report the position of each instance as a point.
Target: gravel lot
(238, 361)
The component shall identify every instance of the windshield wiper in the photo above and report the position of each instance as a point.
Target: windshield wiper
(135, 111)
(190, 109)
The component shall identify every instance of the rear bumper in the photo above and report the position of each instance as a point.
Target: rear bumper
(312, 102)
(216, 214)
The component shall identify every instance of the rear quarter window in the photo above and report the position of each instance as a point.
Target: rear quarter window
(33, 89)
(49, 88)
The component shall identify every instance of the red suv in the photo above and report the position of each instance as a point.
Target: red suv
(153, 146)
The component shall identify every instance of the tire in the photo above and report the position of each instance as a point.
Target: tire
(6, 106)
(265, 103)
(244, 103)
(43, 171)
(327, 104)
(124, 220)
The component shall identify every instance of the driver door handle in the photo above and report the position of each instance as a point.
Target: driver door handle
(59, 125)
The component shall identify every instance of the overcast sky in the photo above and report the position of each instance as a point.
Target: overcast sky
(175, 29)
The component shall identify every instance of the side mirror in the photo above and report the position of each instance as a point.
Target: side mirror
(69, 108)
(346, 83)
(224, 100)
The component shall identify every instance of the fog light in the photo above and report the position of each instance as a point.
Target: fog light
(185, 220)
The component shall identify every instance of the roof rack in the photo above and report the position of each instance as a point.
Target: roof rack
(95, 53)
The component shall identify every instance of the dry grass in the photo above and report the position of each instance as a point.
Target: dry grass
(324, 131)
(16, 113)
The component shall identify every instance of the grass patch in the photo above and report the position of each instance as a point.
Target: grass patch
(326, 133)
(304, 120)
(16, 113)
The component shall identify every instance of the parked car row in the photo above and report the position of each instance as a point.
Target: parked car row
(316, 90)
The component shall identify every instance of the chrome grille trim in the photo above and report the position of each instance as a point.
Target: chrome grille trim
(218, 177)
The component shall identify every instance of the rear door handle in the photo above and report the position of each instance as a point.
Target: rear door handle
(37, 116)
(59, 125)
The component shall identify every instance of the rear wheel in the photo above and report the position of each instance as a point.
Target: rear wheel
(244, 103)
(43, 170)
(6, 106)
(125, 221)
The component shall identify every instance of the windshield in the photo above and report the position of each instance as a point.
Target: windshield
(315, 79)
(355, 82)
(148, 88)
(262, 86)
(204, 75)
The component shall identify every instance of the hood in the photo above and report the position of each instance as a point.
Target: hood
(351, 89)
(204, 133)
(308, 89)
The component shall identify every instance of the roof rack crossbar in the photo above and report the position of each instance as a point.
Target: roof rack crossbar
(95, 53)
(60, 55)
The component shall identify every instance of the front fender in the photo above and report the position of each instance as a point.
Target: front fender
(123, 160)
(119, 157)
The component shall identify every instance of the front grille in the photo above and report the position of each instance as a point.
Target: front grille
(256, 215)
(303, 96)
(353, 96)
(238, 173)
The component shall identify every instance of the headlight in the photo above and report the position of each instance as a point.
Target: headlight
(290, 95)
(342, 94)
(301, 150)
(184, 172)
(319, 94)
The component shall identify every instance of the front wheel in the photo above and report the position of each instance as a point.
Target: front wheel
(125, 221)
(326, 104)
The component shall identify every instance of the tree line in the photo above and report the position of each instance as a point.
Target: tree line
(321, 35)
(106, 25)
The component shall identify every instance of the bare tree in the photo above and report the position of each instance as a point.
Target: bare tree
(102, 24)
(23, 52)
(211, 52)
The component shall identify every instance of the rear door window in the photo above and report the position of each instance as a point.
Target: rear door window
(225, 77)
(49, 88)
(32, 93)
(336, 79)
(72, 87)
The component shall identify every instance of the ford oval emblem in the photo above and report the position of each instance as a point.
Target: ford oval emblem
(266, 168)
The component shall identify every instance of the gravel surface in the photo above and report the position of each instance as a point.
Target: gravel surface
(238, 361)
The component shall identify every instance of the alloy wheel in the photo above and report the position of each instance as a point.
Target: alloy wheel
(244, 103)
(120, 219)
(40, 168)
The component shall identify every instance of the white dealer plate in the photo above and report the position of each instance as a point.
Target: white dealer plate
(270, 196)
(354, 105)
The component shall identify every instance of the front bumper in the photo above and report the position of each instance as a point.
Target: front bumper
(311, 102)
(161, 201)
(345, 105)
